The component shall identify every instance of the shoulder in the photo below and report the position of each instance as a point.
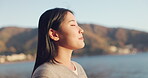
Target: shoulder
(44, 70)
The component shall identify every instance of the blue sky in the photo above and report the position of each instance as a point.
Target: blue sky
(132, 14)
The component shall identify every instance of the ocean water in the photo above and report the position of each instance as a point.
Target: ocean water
(103, 66)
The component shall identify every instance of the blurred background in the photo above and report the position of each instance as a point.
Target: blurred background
(116, 36)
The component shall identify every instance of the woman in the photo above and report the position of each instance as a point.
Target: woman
(58, 35)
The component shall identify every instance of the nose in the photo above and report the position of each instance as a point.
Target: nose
(81, 30)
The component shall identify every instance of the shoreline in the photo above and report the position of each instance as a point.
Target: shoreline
(18, 61)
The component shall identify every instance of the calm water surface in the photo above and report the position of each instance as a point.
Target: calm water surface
(107, 66)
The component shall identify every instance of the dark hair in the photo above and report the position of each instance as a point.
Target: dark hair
(46, 51)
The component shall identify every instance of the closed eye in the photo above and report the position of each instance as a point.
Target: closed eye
(73, 25)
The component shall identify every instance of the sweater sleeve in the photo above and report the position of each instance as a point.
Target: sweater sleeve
(44, 72)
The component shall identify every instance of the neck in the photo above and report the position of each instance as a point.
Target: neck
(64, 57)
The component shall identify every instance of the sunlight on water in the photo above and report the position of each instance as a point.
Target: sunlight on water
(107, 66)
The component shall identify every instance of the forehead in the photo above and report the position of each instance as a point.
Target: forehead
(69, 17)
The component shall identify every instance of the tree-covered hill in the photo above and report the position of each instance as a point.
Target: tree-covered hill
(98, 39)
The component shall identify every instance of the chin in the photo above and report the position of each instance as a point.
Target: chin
(81, 46)
(78, 46)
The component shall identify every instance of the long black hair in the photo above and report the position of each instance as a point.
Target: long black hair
(46, 51)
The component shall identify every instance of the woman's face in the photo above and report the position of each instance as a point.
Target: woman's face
(70, 34)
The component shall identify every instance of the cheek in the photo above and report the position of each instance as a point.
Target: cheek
(69, 34)
(71, 42)
(75, 41)
(67, 39)
(70, 39)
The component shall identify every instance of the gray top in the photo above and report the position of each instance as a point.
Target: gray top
(49, 70)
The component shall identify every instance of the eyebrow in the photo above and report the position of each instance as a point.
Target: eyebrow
(71, 21)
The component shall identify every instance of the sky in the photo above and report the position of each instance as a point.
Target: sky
(131, 14)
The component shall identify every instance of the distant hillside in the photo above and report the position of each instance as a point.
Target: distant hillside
(98, 39)
(17, 40)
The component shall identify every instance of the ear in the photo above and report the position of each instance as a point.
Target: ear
(53, 34)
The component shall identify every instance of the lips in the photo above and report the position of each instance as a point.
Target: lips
(81, 38)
